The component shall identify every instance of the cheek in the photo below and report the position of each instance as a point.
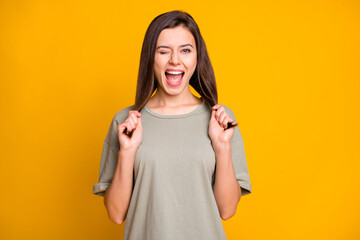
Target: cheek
(190, 63)
(158, 67)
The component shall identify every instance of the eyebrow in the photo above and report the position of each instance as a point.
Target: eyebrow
(184, 45)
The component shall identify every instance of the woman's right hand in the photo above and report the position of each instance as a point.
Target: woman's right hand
(131, 124)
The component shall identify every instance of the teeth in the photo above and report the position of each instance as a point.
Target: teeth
(174, 72)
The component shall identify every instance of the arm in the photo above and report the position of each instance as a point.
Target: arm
(227, 191)
(118, 194)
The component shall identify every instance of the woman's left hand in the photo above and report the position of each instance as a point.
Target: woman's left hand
(218, 131)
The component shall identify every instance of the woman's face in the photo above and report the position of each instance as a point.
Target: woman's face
(175, 60)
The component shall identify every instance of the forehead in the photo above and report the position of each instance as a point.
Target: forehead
(175, 36)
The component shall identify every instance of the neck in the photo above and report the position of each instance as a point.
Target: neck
(161, 98)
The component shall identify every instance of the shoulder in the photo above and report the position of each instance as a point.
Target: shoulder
(121, 115)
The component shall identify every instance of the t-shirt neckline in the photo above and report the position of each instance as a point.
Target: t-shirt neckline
(196, 110)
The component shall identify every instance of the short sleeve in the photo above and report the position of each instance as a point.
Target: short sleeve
(238, 157)
(109, 156)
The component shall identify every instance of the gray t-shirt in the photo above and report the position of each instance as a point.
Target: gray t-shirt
(174, 170)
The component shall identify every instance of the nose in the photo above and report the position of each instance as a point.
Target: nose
(175, 58)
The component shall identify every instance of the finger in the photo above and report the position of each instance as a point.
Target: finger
(139, 123)
(128, 131)
(219, 111)
(121, 127)
(216, 106)
(132, 115)
(137, 113)
(136, 128)
(131, 124)
(228, 122)
(134, 118)
(223, 119)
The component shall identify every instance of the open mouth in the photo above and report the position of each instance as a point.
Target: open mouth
(174, 78)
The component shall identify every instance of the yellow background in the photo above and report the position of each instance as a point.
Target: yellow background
(290, 70)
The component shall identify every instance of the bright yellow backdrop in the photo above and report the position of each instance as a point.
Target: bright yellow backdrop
(290, 70)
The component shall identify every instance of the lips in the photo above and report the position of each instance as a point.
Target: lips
(174, 77)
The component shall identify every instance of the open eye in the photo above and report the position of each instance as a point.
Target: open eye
(186, 50)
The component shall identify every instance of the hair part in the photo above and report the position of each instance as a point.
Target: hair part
(203, 78)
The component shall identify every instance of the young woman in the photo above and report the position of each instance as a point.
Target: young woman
(173, 164)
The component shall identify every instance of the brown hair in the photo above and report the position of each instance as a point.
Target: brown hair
(203, 79)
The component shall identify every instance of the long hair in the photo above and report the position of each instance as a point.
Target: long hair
(203, 78)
